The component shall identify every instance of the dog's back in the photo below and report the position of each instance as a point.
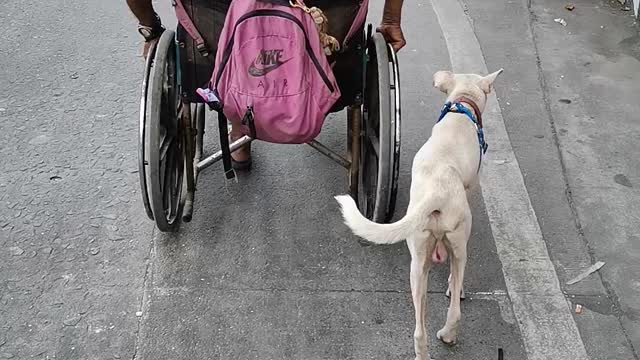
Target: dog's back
(454, 143)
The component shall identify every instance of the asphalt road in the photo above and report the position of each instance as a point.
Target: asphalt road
(266, 269)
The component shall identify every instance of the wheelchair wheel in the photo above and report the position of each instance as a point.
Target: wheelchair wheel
(163, 151)
(380, 141)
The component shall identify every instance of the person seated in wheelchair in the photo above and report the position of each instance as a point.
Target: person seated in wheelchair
(150, 27)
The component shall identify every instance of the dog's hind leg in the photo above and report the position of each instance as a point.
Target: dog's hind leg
(448, 293)
(420, 248)
(458, 243)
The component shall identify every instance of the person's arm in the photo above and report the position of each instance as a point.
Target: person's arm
(149, 23)
(392, 12)
(390, 25)
(143, 11)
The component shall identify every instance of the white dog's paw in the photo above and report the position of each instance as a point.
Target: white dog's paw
(424, 358)
(447, 336)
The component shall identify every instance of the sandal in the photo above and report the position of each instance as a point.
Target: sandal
(242, 165)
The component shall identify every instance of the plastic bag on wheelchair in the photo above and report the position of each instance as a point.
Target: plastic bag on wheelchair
(271, 77)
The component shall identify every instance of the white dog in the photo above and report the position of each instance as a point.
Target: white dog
(438, 218)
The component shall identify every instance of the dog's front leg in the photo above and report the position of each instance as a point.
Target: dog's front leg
(420, 249)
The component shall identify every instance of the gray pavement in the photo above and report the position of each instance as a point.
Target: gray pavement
(582, 98)
(73, 241)
(266, 269)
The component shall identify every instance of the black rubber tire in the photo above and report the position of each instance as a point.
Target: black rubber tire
(396, 128)
(142, 157)
(163, 140)
(379, 143)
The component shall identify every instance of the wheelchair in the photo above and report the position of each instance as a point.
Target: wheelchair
(172, 115)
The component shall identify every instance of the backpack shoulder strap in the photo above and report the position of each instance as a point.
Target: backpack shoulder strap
(189, 26)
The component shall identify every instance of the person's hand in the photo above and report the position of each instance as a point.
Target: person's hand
(392, 32)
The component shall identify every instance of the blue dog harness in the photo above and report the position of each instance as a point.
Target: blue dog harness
(461, 109)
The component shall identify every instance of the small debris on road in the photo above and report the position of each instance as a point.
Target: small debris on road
(578, 309)
(626, 8)
(622, 180)
(114, 237)
(593, 268)
(570, 7)
(560, 21)
(39, 140)
(622, 2)
(94, 251)
(16, 251)
(139, 313)
(72, 321)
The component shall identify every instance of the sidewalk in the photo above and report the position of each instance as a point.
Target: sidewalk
(584, 99)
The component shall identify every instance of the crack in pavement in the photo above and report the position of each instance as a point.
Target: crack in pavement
(145, 298)
(496, 293)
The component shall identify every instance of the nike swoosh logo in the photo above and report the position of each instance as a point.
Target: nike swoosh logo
(254, 71)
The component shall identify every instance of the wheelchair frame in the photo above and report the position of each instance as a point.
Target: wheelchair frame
(171, 136)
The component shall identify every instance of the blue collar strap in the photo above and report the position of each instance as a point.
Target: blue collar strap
(461, 109)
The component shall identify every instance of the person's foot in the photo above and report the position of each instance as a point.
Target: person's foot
(241, 158)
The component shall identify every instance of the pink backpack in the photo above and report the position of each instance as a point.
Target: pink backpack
(271, 76)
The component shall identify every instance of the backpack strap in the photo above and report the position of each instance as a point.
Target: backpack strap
(224, 145)
(211, 99)
(188, 25)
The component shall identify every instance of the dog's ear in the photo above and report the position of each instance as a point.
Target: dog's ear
(443, 81)
(486, 83)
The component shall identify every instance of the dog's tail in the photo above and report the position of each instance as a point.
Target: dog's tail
(382, 233)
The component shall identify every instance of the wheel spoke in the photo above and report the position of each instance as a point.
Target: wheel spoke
(173, 183)
(374, 141)
(368, 180)
(167, 190)
(168, 193)
(165, 145)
